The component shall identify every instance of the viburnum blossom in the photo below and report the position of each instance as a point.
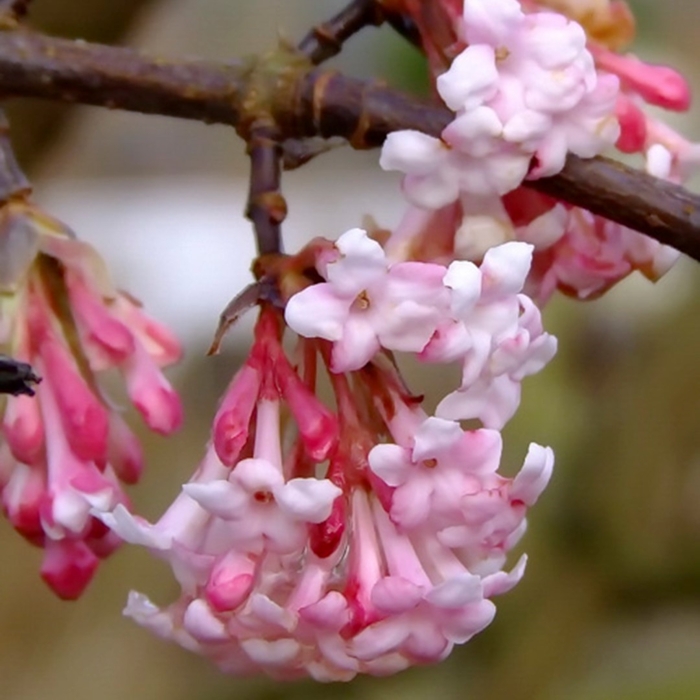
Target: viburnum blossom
(365, 535)
(367, 303)
(68, 449)
(527, 88)
(377, 536)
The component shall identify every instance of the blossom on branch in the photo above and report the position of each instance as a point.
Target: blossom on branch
(367, 538)
(528, 87)
(361, 534)
(525, 88)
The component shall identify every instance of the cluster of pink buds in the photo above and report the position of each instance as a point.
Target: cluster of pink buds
(371, 537)
(528, 86)
(67, 450)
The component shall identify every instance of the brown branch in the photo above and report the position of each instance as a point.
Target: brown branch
(266, 206)
(34, 65)
(660, 209)
(404, 26)
(35, 127)
(317, 103)
(322, 43)
(326, 40)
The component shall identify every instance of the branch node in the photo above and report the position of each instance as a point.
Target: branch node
(326, 40)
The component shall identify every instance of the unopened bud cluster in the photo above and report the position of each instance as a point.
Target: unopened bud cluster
(67, 450)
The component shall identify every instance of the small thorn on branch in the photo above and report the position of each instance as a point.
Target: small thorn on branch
(326, 40)
(17, 377)
(262, 291)
(298, 152)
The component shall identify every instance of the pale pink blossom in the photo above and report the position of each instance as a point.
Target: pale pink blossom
(324, 551)
(526, 86)
(429, 477)
(368, 303)
(494, 331)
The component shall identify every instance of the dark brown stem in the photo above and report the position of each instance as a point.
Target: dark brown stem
(317, 103)
(322, 43)
(33, 65)
(665, 211)
(326, 40)
(404, 26)
(363, 112)
(266, 206)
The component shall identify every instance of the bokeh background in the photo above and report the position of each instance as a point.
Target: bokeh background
(610, 606)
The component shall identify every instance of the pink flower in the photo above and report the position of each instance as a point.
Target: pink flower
(325, 551)
(494, 331)
(263, 511)
(429, 478)
(368, 303)
(526, 86)
(529, 83)
(67, 449)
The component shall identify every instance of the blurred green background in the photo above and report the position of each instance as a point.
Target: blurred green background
(610, 606)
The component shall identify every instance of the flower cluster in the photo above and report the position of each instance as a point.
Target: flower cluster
(527, 88)
(464, 313)
(362, 535)
(66, 450)
(378, 537)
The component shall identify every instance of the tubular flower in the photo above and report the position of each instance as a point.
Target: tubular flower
(67, 450)
(528, 86)
(371, 537)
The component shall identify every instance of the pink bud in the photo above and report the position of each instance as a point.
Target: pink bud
(83, 417)
(22, 497)
(317, 425)
(99, 491)
(232, 420)
(23, 428)
(68, 567)
(97, 323)
(101, 540)
(150, 392)
(658, 85)
(633, 126)
(124, 450)
(325, 537)
(160, 343)
(230, 582)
